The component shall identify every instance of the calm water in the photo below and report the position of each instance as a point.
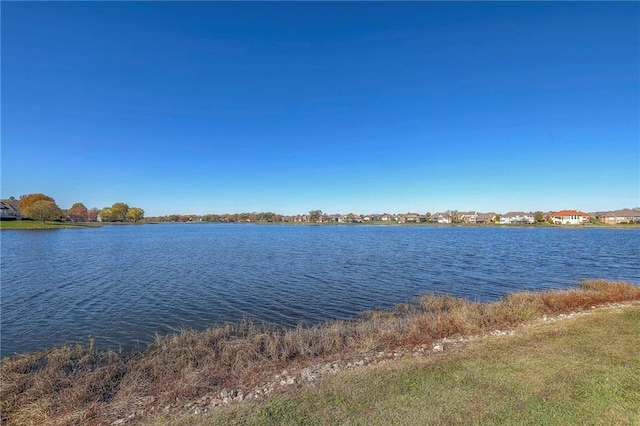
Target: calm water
(122, 284)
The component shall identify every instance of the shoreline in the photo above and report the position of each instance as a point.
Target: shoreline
(29, 225)
(234, 361)
(561, 358)
(35, 225)
(411, 225)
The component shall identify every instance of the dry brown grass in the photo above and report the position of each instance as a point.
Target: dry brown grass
(79, 385)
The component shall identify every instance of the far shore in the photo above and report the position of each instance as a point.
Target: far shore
(422, 224)
(37, 225)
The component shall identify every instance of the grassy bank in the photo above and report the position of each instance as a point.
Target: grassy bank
(583, 370)
(78, 385)
(32, 224)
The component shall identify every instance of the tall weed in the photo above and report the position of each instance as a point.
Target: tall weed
(79, 385)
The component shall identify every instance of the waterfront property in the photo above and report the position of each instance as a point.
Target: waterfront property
(411, 218)
(619, 216)
(569, 217)
(441, 218)
(519, 218)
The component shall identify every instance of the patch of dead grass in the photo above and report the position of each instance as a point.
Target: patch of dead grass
(71, 385)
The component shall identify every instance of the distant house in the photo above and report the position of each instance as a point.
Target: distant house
(485, 217)
(410, 218)
(440, 218)
(350, 218)
(619, 216)
(9, 210)
(444, 219)
(468, 217)
(512, 218)
(475, 217)
(569, 217)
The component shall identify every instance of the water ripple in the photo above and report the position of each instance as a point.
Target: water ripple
(122, 285)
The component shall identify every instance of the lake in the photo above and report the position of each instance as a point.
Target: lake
(123, 284)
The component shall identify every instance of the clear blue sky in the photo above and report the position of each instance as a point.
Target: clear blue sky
(206, 107)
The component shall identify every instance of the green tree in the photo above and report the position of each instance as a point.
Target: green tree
(44, 210)
(119, 211)
(78, 212)
(314, 215)
(106, 215)
(496, 218)
(538, 217)
(135, 214)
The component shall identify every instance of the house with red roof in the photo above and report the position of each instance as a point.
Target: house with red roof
(569, 217)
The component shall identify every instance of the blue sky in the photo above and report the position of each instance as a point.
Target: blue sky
(206, 107)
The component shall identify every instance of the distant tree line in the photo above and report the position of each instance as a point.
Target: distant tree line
(44, 208)
(263, 217)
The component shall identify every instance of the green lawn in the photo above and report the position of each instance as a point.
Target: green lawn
(32, 224)
(583, 370)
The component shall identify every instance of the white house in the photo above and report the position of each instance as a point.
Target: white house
(386, 217)
(569, 217)
(517, 217)
(440, 218)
